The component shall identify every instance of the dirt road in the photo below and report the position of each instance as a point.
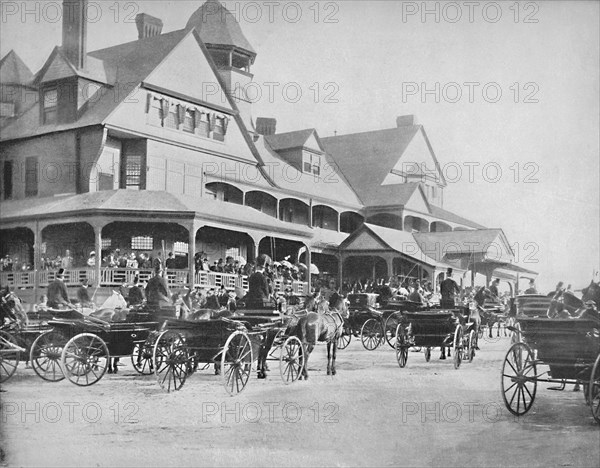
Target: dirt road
(372, 413)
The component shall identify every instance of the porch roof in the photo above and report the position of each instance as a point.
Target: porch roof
(143, 204)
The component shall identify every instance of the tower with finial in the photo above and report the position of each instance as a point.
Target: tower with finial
(230, 50)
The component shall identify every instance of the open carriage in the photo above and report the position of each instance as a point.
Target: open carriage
(233, 345)
(80, 347)
(564, 351)
(435, 329)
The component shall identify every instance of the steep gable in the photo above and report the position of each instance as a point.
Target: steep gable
(418, 159)
(186, 70)
(417, 202)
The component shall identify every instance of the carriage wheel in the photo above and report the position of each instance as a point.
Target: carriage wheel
(141, 357)
(84, 359)
(401, 346)
(594, 390)
(519, 379)
(344, 339)
(390, 326)
(471, 346)
(371, 334)
(458, 346)
(171, 360)
(9, 356)
(427, 354)
(291, 360)
(236, 362)
(45, 355)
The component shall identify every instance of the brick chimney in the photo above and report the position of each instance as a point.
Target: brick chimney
(406, 121)
(148, 26)
(266, 126)
(74, 40)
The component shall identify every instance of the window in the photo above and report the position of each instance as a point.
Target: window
(219, 130)
(50, 106)
(233, 252)
(31, 176)
(180, 248)
(133, 172)
(311, 164)
(203, 125)
(7, 109)
(106, 243)
(8, 180)
(171, 120)
(188, 123)
(142, 243)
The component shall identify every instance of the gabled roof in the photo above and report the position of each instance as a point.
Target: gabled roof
(14, 71)
(382, 149)
(295, 139)
(330, 186)
(393, 239)
(217, 26)
(132, 63)
(58, 66)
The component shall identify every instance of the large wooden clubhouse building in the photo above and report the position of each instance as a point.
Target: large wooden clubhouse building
(134, 147)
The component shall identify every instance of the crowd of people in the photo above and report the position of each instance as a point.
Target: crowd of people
(9, 263)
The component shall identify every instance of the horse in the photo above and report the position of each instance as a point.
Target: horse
(324, 327)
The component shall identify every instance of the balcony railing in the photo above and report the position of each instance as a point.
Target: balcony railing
(113, 277)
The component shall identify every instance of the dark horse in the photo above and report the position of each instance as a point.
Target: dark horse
(324, 327)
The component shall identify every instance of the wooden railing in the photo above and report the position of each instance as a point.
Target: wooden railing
(112, 277)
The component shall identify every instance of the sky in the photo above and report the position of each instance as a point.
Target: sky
(508, 93)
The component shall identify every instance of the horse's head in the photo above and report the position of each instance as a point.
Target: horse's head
(12, 308)
(337, 303)
(591, 293)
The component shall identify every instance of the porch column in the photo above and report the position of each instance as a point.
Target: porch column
(340, 269)
(191, 255)
(308, 264)
(98, 250)
(37, 267)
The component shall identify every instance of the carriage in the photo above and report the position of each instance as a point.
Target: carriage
(80, 347)
(433, 329)
(570, 348)
(231, 344)
(365, 320)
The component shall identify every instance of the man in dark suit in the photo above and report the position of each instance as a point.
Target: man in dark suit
(448, 291)
(58, 296)
(157, 291)
(258, 286)
(136, 294)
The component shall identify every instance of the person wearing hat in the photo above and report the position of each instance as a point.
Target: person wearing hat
(136, 294)
(83, 294)
(91, 261)
(58, 296)
(531, 289)
(157, 291)
(494, 288)
(259, 293)
(448, 291)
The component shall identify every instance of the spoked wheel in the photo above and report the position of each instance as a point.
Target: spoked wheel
(458, 346)
(277, 343)
(594, 390)
(471, 342)
(236, 362)
(371, 334)
(427, 354)
(344, 339)
(45, 355)
(84, 359)
(519, 382)
(141, 357)
(390, 326)
(9, 356)
(291, 360)
(401, 346)
(170, 358)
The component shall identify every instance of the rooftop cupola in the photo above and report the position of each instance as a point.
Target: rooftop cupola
(230, 50)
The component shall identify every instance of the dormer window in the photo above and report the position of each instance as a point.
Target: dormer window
(50, 103)
(311, 163)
